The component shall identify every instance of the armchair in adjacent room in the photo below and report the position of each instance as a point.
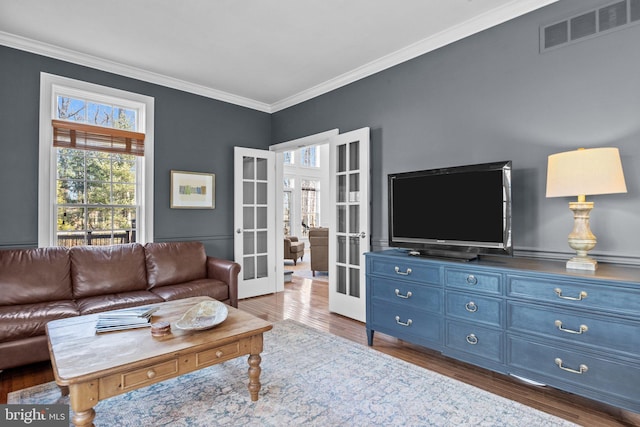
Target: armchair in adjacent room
(293, 249)
(319, 249)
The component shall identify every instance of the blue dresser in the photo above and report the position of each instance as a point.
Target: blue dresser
(575, 331)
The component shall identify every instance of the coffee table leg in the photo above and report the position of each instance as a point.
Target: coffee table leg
(254, 376)
(84, 418)
(83, 397)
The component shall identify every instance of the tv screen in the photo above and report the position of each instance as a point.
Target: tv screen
(459, 211)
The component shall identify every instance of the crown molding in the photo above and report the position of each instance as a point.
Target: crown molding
(479, 23)
(91, 61)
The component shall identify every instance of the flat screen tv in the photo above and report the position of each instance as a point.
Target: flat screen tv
(454, 212)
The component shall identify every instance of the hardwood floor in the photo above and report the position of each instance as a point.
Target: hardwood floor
(306, 301)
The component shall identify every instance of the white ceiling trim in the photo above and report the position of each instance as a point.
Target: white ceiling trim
(495, 17)
(479, 23)
(74, 57)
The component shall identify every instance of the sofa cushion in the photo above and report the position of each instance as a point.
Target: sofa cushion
(30, 276)
(102, 270)
(97, 304)
(213, 288)
(29, 320)
(175, 262)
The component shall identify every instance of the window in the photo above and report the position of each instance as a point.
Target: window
(310, 196)
(310, 157)
(302, 201)
(289, 185)
(96, 174)
(288, 157)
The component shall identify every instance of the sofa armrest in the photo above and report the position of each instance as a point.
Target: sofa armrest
(226, 271)
(292, 238)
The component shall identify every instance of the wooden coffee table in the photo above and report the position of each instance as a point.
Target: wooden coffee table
(98, 366)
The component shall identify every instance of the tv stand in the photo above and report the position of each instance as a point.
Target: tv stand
(576, 331)
(444, 254)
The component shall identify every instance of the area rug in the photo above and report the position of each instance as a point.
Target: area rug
(309, 378)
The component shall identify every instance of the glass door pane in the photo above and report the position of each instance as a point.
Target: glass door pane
(254, 206)
(347, 213)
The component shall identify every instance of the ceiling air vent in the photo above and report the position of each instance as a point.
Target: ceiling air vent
(594, 22)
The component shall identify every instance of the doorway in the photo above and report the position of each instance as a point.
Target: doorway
(288, 201)
(258, 243)
(347, 215)
(305, 204)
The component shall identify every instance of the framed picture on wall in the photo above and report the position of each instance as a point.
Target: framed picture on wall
(193, 190)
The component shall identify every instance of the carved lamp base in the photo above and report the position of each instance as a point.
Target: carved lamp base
(581, 239)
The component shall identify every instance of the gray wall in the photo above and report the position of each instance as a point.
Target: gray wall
(493, 96)
(192, 133)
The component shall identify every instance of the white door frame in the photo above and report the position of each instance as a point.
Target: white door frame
(279, 149)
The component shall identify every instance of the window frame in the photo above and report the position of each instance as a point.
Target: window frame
(50, 86)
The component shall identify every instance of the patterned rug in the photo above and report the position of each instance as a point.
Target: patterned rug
(309, 378)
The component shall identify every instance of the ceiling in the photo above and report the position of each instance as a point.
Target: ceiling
(262, 54)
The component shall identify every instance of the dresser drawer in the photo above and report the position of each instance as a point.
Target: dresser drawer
(577, 294)
(474, 308)
(593, 375)
(616, 335)
(405, 293)
(409, 269)
(470, 279)
(401, 321)
(475, 340)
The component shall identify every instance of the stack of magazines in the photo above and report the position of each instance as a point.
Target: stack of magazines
(125, 319)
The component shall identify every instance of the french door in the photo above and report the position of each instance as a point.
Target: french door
(256, 233)
(350, 224)
(254, 221)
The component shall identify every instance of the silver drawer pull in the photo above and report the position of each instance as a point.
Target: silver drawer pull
(472, 339)
(471, 279)
(583, 368)
(580, 297)
(583, 328)
(399, 295)
(406, 273)
(409, 322)
(471, 307)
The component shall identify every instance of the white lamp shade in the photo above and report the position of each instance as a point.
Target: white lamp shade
(585, 172)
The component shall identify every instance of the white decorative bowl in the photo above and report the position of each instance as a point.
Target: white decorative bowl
(203, 315)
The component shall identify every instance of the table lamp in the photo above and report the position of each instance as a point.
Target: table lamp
(578, 173)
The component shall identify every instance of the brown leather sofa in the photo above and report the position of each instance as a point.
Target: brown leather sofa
(44, 284)
(293, 249)
(319, 249)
